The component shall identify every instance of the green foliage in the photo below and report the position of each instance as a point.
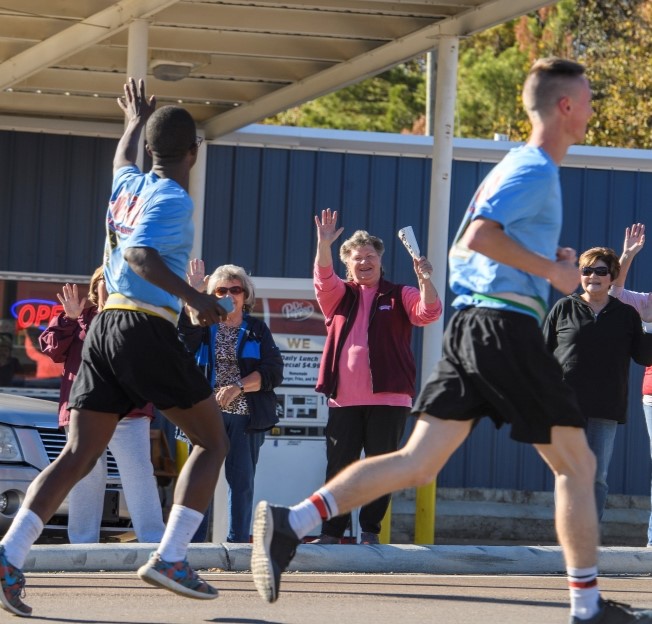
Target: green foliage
(488, 91)
(389, 102)
(613, 38)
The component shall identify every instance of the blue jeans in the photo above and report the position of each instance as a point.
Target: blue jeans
(647, 410)
(601, 434)
(240, 470)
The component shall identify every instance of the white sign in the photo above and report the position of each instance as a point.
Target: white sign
(300, 369)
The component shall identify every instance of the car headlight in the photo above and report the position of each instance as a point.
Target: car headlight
(9, 447)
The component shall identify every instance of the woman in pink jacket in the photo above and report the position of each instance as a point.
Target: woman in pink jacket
(642, 302)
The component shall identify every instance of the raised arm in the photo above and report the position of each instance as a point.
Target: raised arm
(137, 109)
(327, 234)
(634, 242)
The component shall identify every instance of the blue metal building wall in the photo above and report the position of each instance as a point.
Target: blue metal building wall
(53, 194)
(260, 205)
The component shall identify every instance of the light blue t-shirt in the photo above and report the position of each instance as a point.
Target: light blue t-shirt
(147, 211)
(523, 194)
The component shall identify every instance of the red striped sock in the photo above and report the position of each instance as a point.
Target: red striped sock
(322, 506)
(584, 593)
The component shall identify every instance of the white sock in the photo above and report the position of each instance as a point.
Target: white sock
(181, 526)
(330, 501)
(308, 514)
(23, 532)
(584, 593)
(304, 517)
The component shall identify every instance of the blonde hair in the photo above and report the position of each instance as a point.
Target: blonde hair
(97, 277)
(229, 273)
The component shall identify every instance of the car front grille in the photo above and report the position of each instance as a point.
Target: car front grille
(54, 440)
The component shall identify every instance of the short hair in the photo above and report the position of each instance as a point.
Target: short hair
(229, 273)
(170, 132)
(93, 287)
(607, 255)
(360, 238)
(549, 80)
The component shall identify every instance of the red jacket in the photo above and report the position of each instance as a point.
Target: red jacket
(63, 341)
(647, 381)
(390, 333)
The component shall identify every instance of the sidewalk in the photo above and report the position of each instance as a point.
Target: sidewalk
(389, 558)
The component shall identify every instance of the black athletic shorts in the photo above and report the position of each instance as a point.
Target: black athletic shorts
(495, 364)
(132, 358)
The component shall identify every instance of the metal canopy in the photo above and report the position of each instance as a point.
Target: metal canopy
(246, 60)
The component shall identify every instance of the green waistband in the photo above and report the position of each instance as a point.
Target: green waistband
(533, 305)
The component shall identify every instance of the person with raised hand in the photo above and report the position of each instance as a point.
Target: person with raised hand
(132, 354)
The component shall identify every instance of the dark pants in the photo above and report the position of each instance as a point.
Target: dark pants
(374, 429)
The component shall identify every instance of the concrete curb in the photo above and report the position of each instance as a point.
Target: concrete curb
(343, 558)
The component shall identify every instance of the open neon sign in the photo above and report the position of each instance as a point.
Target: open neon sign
(34, 312)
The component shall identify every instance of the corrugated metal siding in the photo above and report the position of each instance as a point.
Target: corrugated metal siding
(53, 191)
(260, 205)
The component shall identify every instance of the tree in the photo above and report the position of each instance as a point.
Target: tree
(613, 38)
(388, 102)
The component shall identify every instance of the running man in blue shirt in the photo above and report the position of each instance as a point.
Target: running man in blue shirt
(132, 354)
(495, 362)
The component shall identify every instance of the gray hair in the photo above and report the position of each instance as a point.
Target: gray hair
(229, 273)
(360, 238)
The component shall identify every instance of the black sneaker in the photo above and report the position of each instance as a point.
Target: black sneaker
(616, 613)
(274, 546)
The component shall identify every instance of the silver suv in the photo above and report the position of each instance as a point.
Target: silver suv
(30, 439)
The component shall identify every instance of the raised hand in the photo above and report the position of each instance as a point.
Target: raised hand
(634, 239)
(69, 298)
(134, 103)
(196, 275)
(327, 230)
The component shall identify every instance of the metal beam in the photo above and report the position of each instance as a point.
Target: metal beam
(371, 63)
(75, 38)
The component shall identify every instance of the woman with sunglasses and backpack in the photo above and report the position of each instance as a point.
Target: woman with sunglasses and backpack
(244, 365)
(594, 336)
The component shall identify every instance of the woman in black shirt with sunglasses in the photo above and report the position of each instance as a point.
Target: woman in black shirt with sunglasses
(594, 336)
(241, 360)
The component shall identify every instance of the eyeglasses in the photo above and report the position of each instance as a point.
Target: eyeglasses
(601, 271)
(234, 290)
(198, 141)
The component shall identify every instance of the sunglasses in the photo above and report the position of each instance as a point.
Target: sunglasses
(234, 290)
(601, 271)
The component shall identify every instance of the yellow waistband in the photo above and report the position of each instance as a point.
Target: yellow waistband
(116, 301)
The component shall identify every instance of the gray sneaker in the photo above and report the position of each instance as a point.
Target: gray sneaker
(275, 543)
(616, 613)
(176, 576)
(13, 588)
